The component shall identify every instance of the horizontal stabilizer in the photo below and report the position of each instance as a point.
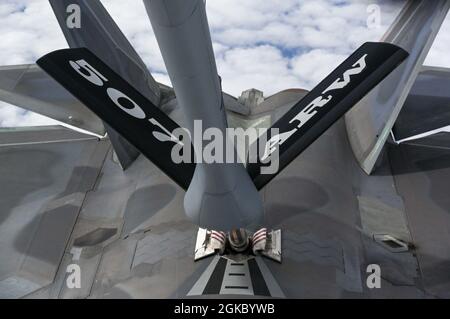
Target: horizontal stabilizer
(322, 106)
(28, 87)
(121, 106)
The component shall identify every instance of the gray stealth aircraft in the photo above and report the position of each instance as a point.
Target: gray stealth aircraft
(372, 188)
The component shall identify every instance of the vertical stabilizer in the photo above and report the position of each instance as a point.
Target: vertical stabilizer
(370, 121)
(99, 33)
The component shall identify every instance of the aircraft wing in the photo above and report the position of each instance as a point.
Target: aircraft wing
(322, 106)
(120, 105)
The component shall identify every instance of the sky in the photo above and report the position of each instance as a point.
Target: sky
(268, 45)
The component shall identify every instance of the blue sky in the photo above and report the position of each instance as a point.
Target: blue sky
(269, 45)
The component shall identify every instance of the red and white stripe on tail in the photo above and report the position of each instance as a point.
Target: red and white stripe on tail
(259, 240)
(217, 240)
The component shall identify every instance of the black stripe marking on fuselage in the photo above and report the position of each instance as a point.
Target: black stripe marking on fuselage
(258, 282)
(215, 281)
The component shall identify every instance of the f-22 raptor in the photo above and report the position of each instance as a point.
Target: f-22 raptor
(361, 180)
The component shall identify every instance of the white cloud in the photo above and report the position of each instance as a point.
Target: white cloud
(262, 67)
(29, 30)
(315, 65)
(268, 45)
(11, 116)
(439, 52)
(274, 47)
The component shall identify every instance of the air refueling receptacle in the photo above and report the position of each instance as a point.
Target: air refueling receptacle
(238, 244)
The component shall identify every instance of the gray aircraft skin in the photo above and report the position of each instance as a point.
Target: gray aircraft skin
(372, 190)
